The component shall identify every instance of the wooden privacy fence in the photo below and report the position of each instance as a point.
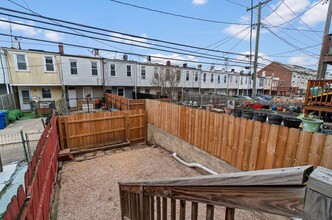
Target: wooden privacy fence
(33, 200)
(88, 130)
(123, 103)
(245, 144)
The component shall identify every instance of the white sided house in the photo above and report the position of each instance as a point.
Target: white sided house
(83, 78)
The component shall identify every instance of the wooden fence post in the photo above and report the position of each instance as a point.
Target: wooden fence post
(127, 125)
(1, 168)
(318, 200)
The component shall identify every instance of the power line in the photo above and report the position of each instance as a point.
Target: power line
(190, 53)
(110, 31)
(299, 18)
(291, 51)
(291, 29)
(176, 15)
(114, 51)
(274, 11)
(236, 3)
(290, 44)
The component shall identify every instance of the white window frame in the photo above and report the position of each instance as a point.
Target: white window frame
(26, 62)
(41, 91)
(143, 68)
(71, 60)
(187, 76)
(111, 69)
(93, 68)
(131, 72)
(124, 91)
(53, 61)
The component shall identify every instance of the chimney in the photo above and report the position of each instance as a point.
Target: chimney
(232, 70)
(212, 68)
(60, 46)
(168, 63)
(199, 66)
(125, 57)
(185, 65)
(148, 59)
(96, 52)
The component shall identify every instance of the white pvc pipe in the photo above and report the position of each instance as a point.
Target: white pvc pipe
(194, 165)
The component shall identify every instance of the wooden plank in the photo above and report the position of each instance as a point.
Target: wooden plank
(93, 119)
(173, 209)
(269, 199)
(302, 151)
(230, 213)
(97, 133)
(247, 144)
(220, 136)
(194, 211)
(281, 147)
(152, 208)
(292, 143)
(158, 209)
(264, 136)
(271, 146)
(326, 160)
(230, 137)
(209, 212)
(164, 210)
(282, 176)
(61, 135)
(316, 148)
(67, 133)
(182, 209)
(253, 154)
(236, 138)
(240, 151)
(224, 137)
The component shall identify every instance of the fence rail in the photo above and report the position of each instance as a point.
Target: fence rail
(33, 200)
(245, 144)
(123, 103)
(88, 130)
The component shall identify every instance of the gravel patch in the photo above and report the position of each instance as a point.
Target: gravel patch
(89, 189)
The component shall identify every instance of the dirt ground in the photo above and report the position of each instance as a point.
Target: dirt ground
(29, 125)
(89, 189)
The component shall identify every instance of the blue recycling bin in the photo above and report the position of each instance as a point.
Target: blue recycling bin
(2, 120)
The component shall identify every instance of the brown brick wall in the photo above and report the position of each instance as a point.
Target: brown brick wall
(278, 70)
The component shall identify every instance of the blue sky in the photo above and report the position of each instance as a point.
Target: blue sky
(117, 17)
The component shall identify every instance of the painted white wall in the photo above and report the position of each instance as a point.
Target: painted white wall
(4, 78)
(120, 78)
(84, 75)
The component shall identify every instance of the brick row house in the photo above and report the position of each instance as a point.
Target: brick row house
(49, 76)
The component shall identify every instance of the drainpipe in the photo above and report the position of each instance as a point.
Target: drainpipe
(194, 165)
(3, 71)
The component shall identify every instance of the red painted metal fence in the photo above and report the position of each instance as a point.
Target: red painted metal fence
(33, 200)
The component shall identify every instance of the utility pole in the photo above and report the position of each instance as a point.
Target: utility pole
(324, 50)
(258, 28)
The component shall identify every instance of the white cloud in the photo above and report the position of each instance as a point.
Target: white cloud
(262, 61)
(171, 56)
(199, 2)
(28, 31)
(240, 31)
(283, 13)
(302, 60)
(316, 15)
(53, 36)
(130, 40)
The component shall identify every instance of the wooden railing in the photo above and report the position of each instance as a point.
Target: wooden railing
(275, 191)
(124, 103)
(319, 92)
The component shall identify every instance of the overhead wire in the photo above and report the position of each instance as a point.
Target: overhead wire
(176, 15)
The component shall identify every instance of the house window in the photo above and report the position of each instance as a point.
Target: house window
(178, 75)
(113, 69)
(21, 62)
(46, 93)
(225, 79)
(231, 79)
(212, 77)
(121, 92)
(94, 68)
(241, 80)
(49, 64)
(235, 79)
(204, 77)
(187, 76)
(196, 76)
(128, 70)
(168, 74)
(73, 67)
(246, 80)
(147, 91)
(261, 81)
(143, 72)
(219, 79)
